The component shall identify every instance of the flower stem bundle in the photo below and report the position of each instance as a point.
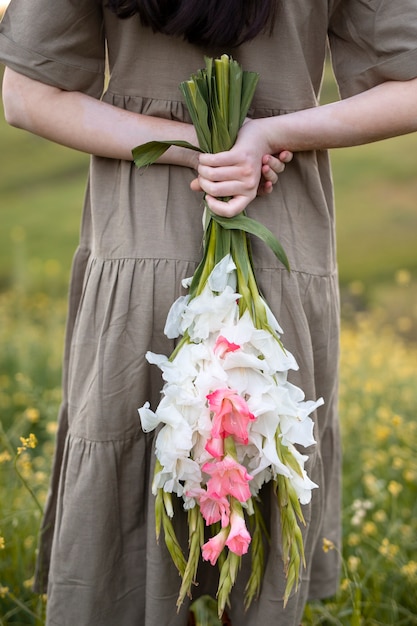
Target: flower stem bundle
(231, 421)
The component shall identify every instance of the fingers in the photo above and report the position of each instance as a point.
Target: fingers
(272, 165)
(230, 174)
(285, 156)
(195, 185)
(228, 208)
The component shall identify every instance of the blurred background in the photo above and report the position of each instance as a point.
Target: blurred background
(41, 193)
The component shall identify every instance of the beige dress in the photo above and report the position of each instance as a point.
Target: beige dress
(141, 234)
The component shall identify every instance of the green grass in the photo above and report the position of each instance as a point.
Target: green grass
(41, 190)
(376, 195)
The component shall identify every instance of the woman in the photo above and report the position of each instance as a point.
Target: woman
(141, 234)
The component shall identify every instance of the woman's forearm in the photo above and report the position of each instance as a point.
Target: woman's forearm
(384, 111)
(84, 123)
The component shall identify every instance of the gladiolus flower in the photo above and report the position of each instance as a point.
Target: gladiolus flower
(231, 415)
(239, 538)
(215, 510)
(214, 546)
(228, 477)
(215, 447)
(223, 346)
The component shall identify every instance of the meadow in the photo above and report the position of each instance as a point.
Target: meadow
(41, 191)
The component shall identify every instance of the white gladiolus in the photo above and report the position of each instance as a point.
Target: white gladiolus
(256, 368)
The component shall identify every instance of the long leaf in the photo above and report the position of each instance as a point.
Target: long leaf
(249, 82)
(222, 73)
(242, 222)
(235, 97)
(149, 152)
(197, 108)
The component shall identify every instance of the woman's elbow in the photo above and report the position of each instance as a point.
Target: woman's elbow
(24, 99)
(14, 98)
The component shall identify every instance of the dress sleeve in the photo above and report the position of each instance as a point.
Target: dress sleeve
(58, 42)
(372, 41)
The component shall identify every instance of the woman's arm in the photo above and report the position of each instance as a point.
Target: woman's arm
(84, 123)
(81, 122)
(387, 110)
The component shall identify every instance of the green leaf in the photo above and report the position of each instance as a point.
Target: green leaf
(249, 82)
(223, 243)
(196, 104)
(247, 224)
(239, 249)
(235, 97)
(204, 610)
(148, 153)
(222, 72)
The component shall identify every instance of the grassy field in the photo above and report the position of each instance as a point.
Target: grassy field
(41, 191)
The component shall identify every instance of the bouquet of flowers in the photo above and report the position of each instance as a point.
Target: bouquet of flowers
(229, 418)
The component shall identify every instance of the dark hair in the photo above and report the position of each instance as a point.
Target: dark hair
(215, 23)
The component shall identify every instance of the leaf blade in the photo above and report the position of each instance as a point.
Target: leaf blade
(251, 226)
(148, 153)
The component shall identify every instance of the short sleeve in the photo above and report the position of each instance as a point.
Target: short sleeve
(58, 42)
(372, 41)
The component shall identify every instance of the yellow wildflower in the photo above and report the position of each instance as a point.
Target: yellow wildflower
(369, 528)
(2, 543)
(5, 456)
(410, 570)
(28, 584)
(410, 475)
(397, 420)
(382, 432)
(51, 428)
(27, 442)
(32, 415)
(328, 545)
(3, 591)
(388, 549)
(354, 539)
(353, 563)
(394, 488)
(380, 515)
(403, 277)
(397, 463)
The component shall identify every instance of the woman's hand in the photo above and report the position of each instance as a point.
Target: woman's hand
(271, 167)
(247, 170)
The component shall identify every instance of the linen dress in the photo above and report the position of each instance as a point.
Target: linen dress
(141, 235)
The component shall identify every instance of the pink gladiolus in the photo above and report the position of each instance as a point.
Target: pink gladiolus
(215, 509)
(228, 477)
(214, 546)
(231, 415)
(239, 538)
(215, 447)
(223, 346)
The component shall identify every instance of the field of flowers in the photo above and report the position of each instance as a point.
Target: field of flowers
(378, 413)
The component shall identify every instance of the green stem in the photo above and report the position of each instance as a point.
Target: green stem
(16, 469)
(24, 608)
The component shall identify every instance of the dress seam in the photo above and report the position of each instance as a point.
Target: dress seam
(137, 436)
(329, 274)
